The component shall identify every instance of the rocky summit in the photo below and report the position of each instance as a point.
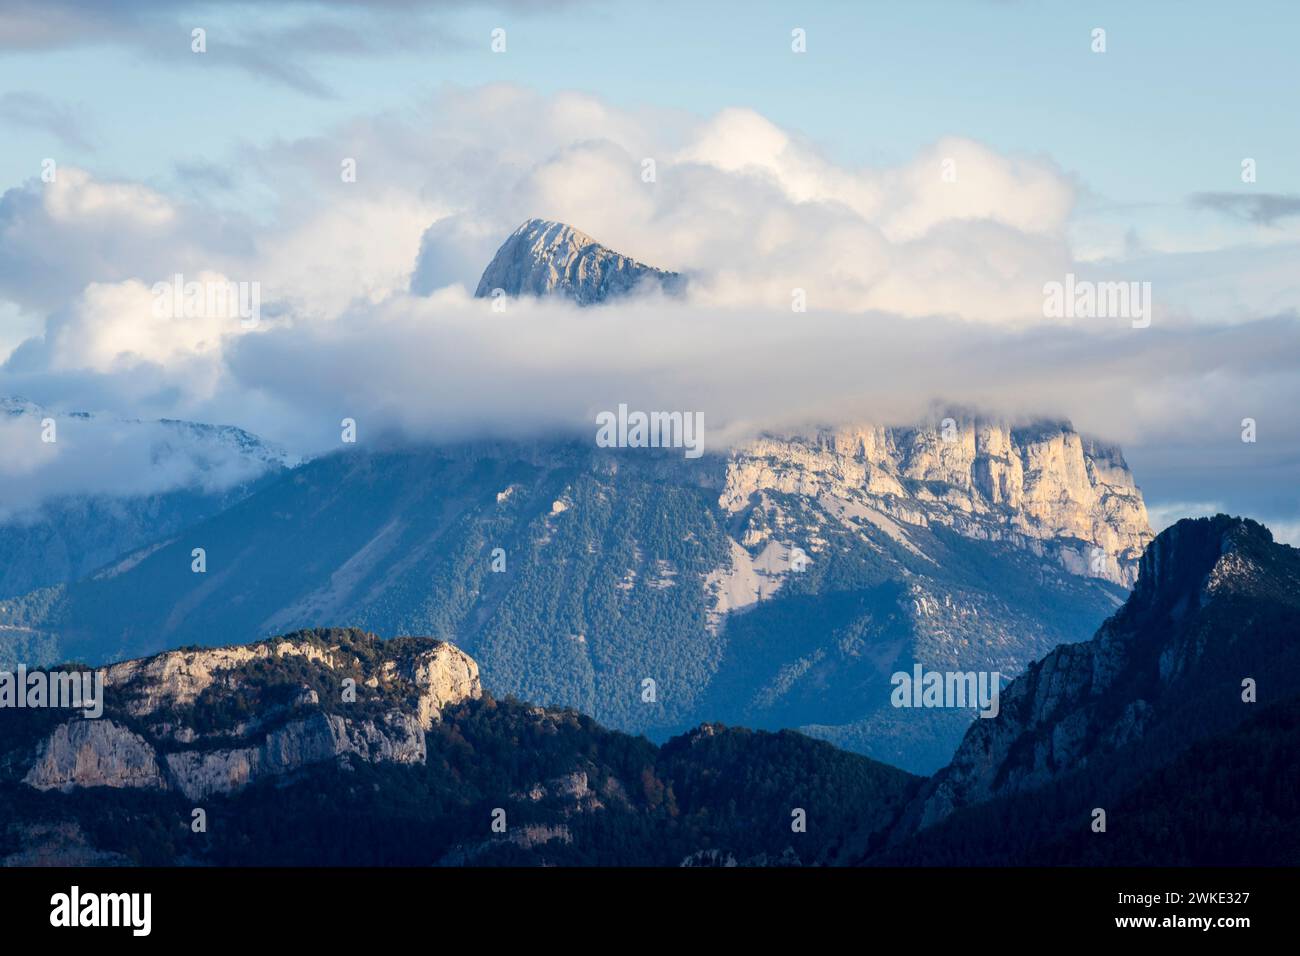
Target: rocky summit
(550, 258)
(1210, 634)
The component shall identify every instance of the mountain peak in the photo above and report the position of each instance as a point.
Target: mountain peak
(543, 257)
(1196, 554)
(1216, 601)
(557, 231)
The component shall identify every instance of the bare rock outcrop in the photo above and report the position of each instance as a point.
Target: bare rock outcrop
(1044, 488)
(393, 738)
(550, 258)
(363, 698)
(94, 753)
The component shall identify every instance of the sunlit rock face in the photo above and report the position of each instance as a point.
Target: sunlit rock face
(218, 719)
(1043, 487)
(550, 258)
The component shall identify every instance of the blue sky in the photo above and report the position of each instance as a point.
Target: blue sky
(1184, 91)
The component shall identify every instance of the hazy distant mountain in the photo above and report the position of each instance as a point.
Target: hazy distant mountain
(1151, 721)
(551, 258)
(198, 470)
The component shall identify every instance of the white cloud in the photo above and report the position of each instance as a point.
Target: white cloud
(1285, 532)
(74, 197)
(57, 238)
(448, 365)
(115, 326)
(1164, 514)
(752, 213)
(955, 179)
(103, 455)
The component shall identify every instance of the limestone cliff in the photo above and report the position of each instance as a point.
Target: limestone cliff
(205, 721)
(94, 753)
(1044, 488)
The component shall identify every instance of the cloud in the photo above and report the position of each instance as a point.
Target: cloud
(104, 455)
(747, 209)
(955, 179)
(435, 196)
(57, 237)
(1163, 515)
(201, 174)
(1285, 528)
(289, 49)
(449, 366)
(41, 25)
(1264, 209)
(921, 289)
(1285, 531)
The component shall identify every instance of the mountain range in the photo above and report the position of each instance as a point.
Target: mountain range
(256, 754)
(574, 574)
(775, 584)
(542, 602)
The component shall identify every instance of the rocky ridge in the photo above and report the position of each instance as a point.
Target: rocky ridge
(216, 720)
(296, 776)
(1216, 601)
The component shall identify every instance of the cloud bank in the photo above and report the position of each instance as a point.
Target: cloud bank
(924, 284)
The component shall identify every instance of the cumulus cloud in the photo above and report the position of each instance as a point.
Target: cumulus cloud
(752, 213)
(955, 179)
(58, 237)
